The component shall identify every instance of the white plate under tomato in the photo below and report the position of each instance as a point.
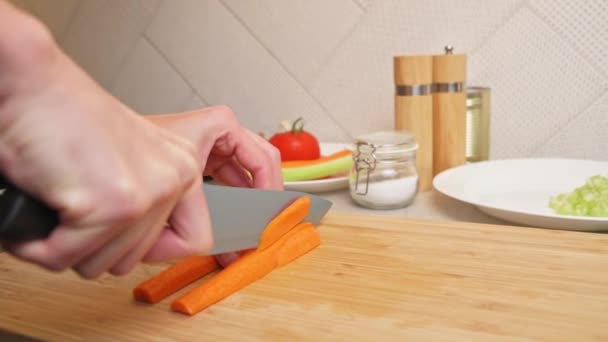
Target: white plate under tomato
(331, 183)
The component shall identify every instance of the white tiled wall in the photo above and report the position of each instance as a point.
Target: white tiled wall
(331, 61)
(148, 83)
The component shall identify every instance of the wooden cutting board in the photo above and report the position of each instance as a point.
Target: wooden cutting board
(373, 278)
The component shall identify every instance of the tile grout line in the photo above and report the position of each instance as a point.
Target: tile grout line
(284, 67)
(131, 51)
(122, 64)
(70, 23)
(166, 59)
(595, 100)
(144, 35)
(330, 55)
(179, 73)
(505, 20)
(193, 94)
(359, 4)
(591, 103)
(574, 47)
(585, 109)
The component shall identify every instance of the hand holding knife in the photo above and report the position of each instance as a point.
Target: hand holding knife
(23, 217)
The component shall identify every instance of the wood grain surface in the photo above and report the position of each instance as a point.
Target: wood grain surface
(415, 113)
(373, 278)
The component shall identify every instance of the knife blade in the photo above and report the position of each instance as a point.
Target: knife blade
(238, 215)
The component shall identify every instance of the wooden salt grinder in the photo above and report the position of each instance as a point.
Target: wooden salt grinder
(449, 111)
(413, 109)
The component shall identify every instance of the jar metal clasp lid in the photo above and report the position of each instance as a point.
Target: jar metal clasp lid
(367, 162)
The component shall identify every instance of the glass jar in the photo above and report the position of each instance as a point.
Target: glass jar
(384, 175)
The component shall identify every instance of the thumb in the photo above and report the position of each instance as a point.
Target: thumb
(189, 231)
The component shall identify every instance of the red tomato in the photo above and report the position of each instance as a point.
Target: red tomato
(296, 144)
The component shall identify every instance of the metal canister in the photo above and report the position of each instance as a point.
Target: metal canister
(478, 124)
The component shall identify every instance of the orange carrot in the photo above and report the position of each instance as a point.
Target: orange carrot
(174, 278)
(245, 252)
(249, 268)
(302, 241)
(288, 218)
(297, 163)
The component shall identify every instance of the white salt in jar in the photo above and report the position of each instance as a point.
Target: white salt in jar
(384, 174)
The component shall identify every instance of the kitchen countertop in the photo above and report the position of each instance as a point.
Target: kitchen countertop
(429, 205)
(389, 277)
(437, 269)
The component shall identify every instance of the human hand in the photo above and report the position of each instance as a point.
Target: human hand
(127, 187)
(231, 154)
(115, 178)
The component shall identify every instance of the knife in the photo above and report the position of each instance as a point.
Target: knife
(238, 215)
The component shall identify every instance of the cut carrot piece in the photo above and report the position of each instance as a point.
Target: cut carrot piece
(333, 156)
(299, 243)
(249, 268)
(288, 218)
(245, 252)
(174, 278)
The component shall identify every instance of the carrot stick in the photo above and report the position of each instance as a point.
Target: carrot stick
(245, 252)
(305, 239)
(249, 268)
(288, 218)
(174, 278)
(335, 155)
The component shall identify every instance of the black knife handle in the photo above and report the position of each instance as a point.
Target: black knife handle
(23, 217)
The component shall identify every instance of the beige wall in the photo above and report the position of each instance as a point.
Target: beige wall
(330, 61)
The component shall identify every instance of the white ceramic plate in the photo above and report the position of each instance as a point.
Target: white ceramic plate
(518, 190)
(333, 183)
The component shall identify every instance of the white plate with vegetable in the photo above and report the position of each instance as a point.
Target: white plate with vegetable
(323, 177)
(566, 194)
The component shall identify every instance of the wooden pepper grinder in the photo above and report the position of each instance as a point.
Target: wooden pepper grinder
(449, 110)
(413, 109)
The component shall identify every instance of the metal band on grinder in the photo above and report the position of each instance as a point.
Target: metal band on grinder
(413, 90)
(456, 87)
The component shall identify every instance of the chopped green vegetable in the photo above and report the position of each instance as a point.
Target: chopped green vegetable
(590, 199)
(316, 171)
